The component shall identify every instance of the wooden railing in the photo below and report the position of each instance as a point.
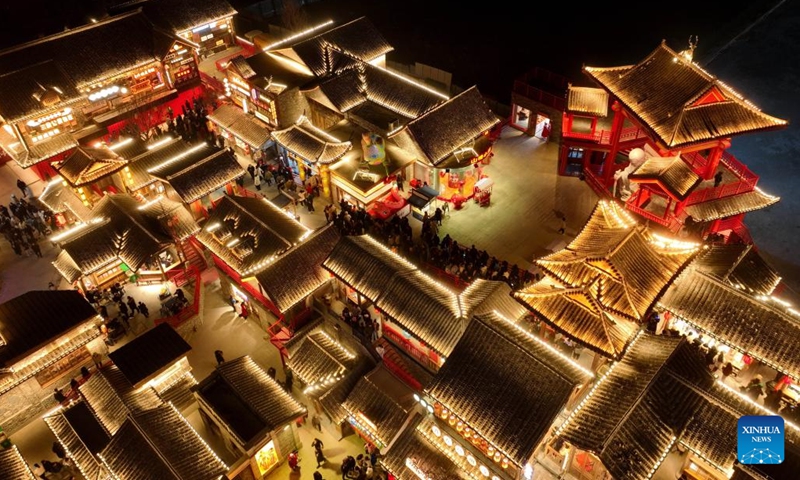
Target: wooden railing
(596, 184)
(190, 310)
(670, 221)
(603, 137)
(746, 183)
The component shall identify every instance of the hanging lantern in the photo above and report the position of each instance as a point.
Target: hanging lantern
(452, 420)
(467, 433)
(460, 427)
(497, 457)
(490, 450)
(504, 462)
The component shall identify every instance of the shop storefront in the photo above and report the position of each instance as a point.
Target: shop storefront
(243, 132)
(212, 37)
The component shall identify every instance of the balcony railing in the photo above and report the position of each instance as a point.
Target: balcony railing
(603, 137)
(670, 221)
(746, 183)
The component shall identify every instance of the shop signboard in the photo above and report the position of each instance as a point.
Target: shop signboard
(266, 458)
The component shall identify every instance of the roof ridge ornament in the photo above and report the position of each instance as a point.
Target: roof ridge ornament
(688, 54)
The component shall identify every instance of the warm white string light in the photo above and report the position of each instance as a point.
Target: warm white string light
(750, 401)
(121, 143)
(297, 35)
(177, 157)
(415, 83)
(152, 202)
(549, 347)
(159, 143)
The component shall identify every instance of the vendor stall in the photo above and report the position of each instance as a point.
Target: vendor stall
(482, 193)
(421, 200)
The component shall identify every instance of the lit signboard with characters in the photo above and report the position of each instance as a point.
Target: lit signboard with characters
(266, 458)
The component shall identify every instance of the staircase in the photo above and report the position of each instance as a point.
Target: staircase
(194, 255)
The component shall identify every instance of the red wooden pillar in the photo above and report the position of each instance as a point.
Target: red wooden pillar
(616, 130)
(594, 125)
(229, 188)
(562, 159)
(713, 159)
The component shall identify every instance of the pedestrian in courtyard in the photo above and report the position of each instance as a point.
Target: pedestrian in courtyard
(36, 249)
(219, 357)
(132, 305)
(318, 476)
(437, 216)
(22, 186)
(244, 312)
(143, 309)
(289, 380)
(251, 169)
(400, 181)
(59, 450)
(316, 423)
(97, 359)
(123, 309)
(59, 395)
(318, 446)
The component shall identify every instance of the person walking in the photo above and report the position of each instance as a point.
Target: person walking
(36, 249)
(59, 450)
(219, 357)
(97, 359)
(132, 305)
(318, 446)
(22, 186)
(257, 180)
(143, 309)
(289, 380)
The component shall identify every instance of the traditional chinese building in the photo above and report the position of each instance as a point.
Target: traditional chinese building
(160, 443)
(252, 413)
(82, 435)
(244, 236)
(44, 336)
(419, 315)
(667, 142)
(208, 25)
(725, 297)
(73, 84)
(604, 284)
(658, 397)
(157, 358)
(538, 100)
(124, 238)
(296, 280)
(489, 408)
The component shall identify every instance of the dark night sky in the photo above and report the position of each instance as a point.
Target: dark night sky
(501, 38)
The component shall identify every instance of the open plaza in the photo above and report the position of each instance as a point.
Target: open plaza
(239, 255)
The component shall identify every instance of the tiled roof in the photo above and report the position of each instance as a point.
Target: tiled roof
(383, 399)
(679, 101)
(410, 100)
(139, 166)
(358, 38)
(318, 359)
(740, 266)
(593, 101)
(575, 311)
(36, 318)
(424, 308)
(413, 445)
(332, 401)
(160, 443)
(446, 128)
(298, 272)
(112, 397)
(173, 217)
(252, 131)
(260, 230)
(149, 353)
(180, 15)
(82, 435)
(59, 198)
(726, 313)
(505, 385)
(365, 264)
(131, 456)
(311, 145)
(124, 232)
(671, 173)
(35, 152)
(67, 267)
(21, 87)
(343, 91)
(606, 280)
(273, 405)
(489, 296)
(732, 205)
(94, 51)
(13, 466)
(634, 414)
(193, 179)
(88, 164)
(267, 71)
(179, 444)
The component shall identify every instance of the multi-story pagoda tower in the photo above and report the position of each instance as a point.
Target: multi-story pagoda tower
(662, 148)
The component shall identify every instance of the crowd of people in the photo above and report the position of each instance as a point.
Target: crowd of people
(445, 254)
(23, 223)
